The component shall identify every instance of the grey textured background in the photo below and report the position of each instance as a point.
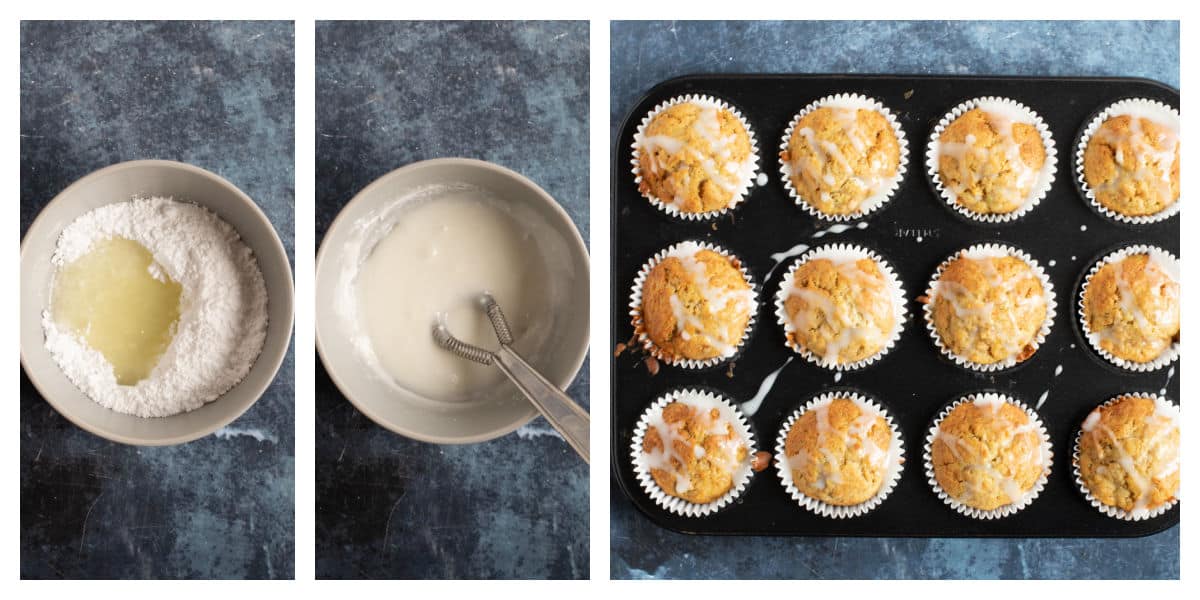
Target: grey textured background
(389, 94)
(646, 53)
(219, 96)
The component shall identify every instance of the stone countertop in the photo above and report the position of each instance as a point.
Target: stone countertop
(646, 53)
(389, 94)
(219, 96)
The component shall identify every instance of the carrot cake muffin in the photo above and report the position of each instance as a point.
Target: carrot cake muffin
(990, 161)
(1131, 308)
(696, 304)
(841, 309)
(1129, 453)
(838, 157)
(1131, 165)
(695, 156)
(838, 452)
(987, 453)
(693, 451)
(988, 309)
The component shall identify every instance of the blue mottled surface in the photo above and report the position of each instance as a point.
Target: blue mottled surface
(219, 96)
(645, 53)
(389, 94)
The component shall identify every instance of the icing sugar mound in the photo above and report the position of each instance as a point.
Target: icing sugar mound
(222, 315)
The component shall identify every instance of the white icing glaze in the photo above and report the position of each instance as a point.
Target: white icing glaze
(958, 295)
(875, 180)
(667, 459)
(717, 162)
(1011, 488)
(1166, 298)
(716, 300)
(865, 287)
(1148, 163)
(1001, 116)
(1165, 420)
(854, 437)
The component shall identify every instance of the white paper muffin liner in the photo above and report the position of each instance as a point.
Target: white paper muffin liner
(991, 250)
(994, 104)
(743, 187)
(1171, 354)
(841, 252)
(1113, 511)
(1007, 509)
(635, 308)
(871, 203)
(1141, 107)
(895, 464)
(731, 413)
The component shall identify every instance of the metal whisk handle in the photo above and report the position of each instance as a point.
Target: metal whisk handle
(571, 420)
(559, 409)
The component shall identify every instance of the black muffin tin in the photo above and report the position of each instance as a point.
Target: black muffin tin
(913, 381)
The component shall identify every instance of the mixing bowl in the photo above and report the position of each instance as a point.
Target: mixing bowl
(119, 183)
(499, 410)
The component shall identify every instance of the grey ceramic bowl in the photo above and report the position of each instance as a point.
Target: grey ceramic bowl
(503, 409)
(118, 183)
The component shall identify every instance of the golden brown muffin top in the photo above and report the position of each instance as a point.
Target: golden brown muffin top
(1132, 308)
(1131, 163)
(842, 309)
(989, 309)
(987, 453)
(839, 452)
(694, 156)
(693, 450)
(838, 157)
(1129, 453)
(696, 304)
(990, 160)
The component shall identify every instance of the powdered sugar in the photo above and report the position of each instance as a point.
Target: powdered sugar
(222, 315)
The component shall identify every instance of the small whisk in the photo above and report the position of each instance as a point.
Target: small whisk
(571, 420)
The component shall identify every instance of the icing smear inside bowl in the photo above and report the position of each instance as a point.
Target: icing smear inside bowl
(427, 257)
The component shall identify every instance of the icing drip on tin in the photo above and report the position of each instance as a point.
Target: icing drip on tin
(839, 228)
(780, 257)
(752, 405)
